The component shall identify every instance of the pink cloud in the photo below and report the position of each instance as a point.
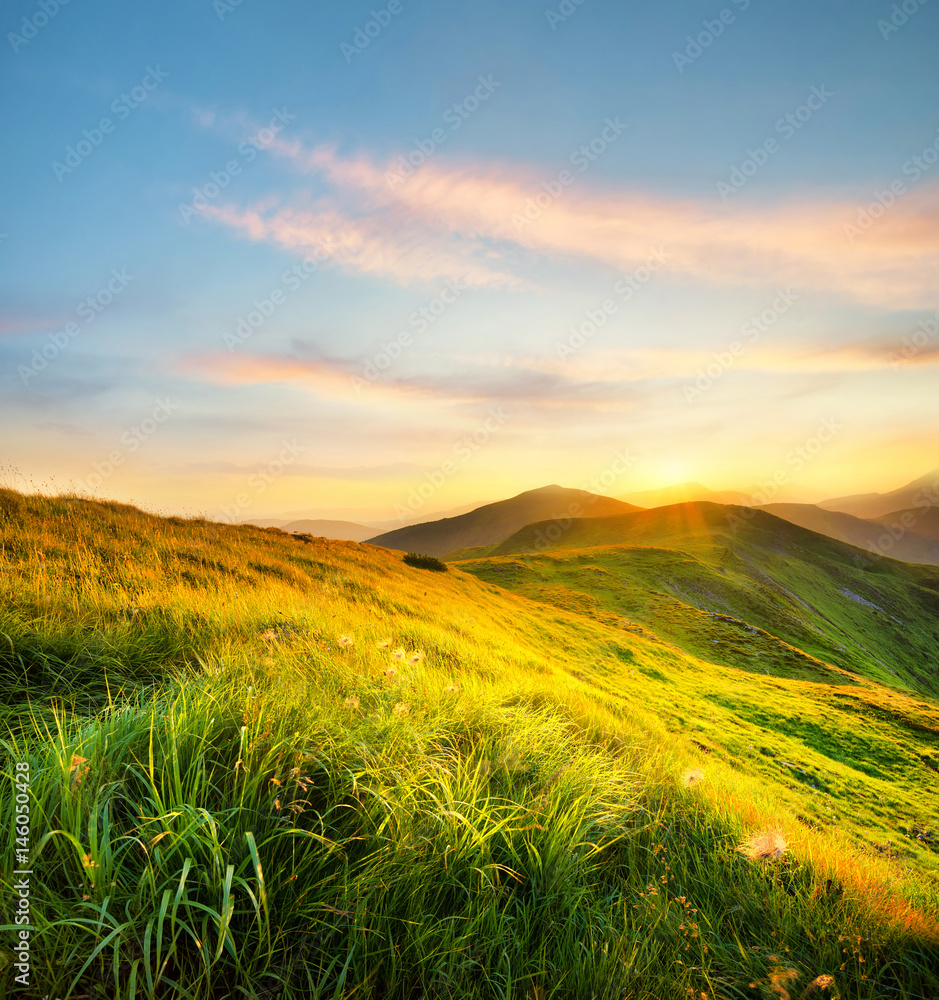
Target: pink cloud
(344, 379)
(663, 363)
(468, 221)
(367, 245)
(23, 323)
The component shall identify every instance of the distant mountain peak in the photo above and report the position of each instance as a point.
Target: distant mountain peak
(684, 493)
(493, 522)
(551, 488)
(920, 493)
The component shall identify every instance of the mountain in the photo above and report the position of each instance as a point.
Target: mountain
(683, 493)
(392, 524)
(683, 571)
(920, 494)
(897, 535)
(923, 521)
(493, 522)
(320, 528)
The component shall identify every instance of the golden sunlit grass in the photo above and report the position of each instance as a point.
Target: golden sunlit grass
(231, 797)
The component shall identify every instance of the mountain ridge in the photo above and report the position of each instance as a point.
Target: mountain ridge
(894, 536)
(493, 522)
(921, 493)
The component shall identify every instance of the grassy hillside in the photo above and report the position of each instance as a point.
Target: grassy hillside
(907, 543)
(262, 766)
(863, 613)
(495, 521)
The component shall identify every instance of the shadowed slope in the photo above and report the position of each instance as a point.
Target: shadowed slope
(904, 542)
(493, 522)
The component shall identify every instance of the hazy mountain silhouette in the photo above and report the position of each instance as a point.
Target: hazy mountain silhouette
(918, 495)
(684, 493)
(493, 522)
(897, 536)
(323, 528)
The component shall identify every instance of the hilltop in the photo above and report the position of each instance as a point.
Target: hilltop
(495, 521)
(263, 764)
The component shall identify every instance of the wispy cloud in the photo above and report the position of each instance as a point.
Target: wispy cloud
(340, 378)
(13, 324)
(63, 427)
(669, 363)
(388, 244)
(469, 221)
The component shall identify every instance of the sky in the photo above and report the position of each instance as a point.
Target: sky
(381, 260)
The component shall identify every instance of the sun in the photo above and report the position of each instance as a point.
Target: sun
(673, 470)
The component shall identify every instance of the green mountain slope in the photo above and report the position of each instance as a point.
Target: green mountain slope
(265, 766)
(872, 616)
(493, 522)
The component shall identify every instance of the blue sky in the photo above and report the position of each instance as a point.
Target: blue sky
(287, 419)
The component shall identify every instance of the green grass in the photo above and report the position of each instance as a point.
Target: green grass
(866, 614)
(268, 766)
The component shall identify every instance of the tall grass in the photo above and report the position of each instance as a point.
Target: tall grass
(228, 801)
